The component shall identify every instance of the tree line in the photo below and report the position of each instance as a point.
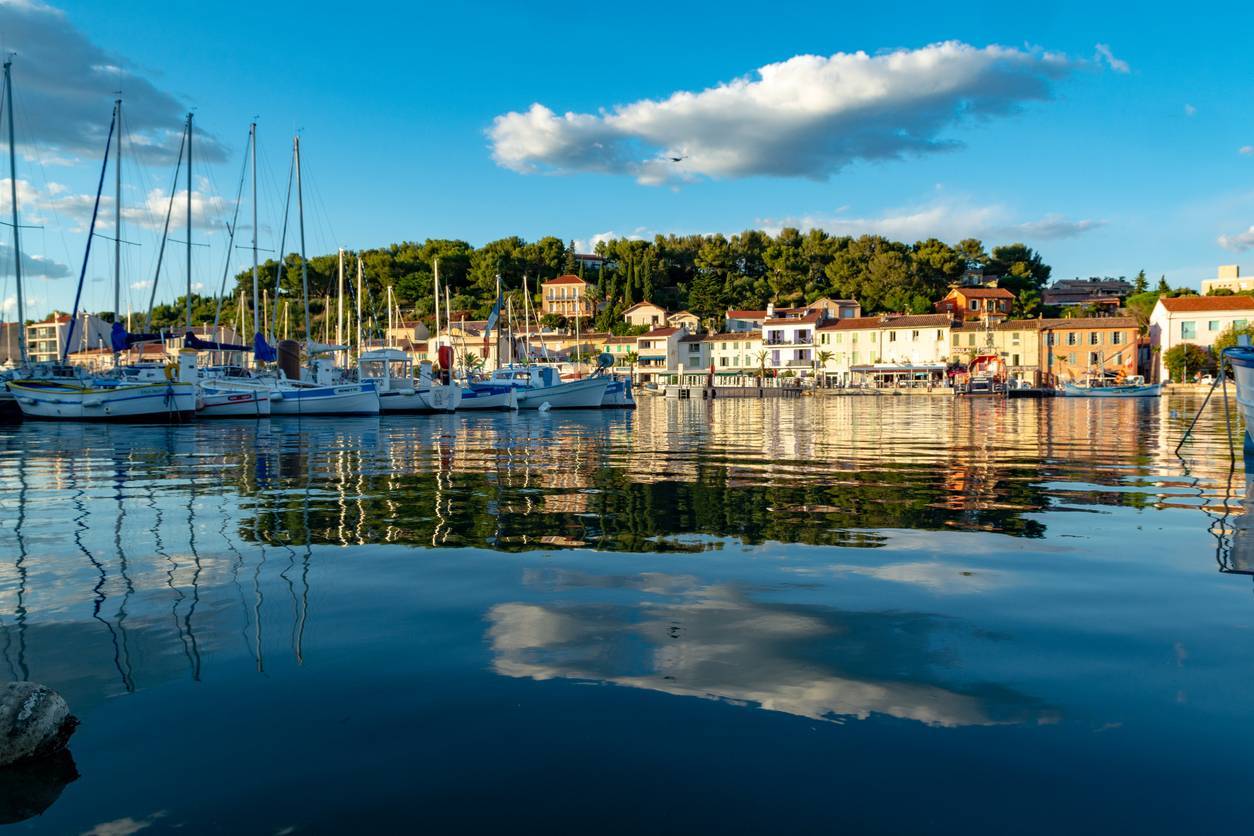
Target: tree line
(705, 274)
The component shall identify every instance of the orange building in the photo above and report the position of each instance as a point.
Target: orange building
(976, 304)
(1072, 349)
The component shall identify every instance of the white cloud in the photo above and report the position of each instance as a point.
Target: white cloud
(588, 245)
(1247, 150)
(1117, 64)
(808, 116)
(141, 285)
(1240, 242)
(1190, 110)
(209, 211)
(8, 305)
(66, 88)
(949, 219)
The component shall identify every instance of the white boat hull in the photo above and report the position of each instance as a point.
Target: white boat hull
(220, 403)
(435, 399)
(442, 398)
(69, 401)
(619, 394)
(1149, 390)
(573, 394)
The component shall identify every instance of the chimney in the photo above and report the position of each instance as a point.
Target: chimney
(770, 310)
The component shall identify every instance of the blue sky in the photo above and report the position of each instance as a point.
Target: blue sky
(1110, 167)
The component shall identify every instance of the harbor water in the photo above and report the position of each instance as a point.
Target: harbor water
(860, 615)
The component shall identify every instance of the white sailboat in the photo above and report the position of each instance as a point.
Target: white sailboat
(536, 385)
(68, 395)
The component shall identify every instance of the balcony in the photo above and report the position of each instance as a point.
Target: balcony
(797, 339)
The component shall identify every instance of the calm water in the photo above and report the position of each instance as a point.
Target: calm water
(848, 615)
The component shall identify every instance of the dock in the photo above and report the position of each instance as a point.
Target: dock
(715, 392)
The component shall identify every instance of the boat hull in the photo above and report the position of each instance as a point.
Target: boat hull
(442, 398)
(491, 398)
(1241, 359)
(59, 401)
(1151, 390)
(349, 399)
(574, 394)
(618, 395)
(217, 403)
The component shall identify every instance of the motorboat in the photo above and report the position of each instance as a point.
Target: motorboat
(536, 385)
(69, 394)
(485, 395)
(391, 371)
(1241, 359)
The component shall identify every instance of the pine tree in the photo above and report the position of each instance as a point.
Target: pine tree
(1140, 284)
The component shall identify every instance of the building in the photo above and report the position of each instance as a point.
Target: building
(45, 339)
(738, 353)
(1229, 278)
(1194, 319)
(620, 348)
(976, 304)
(645, 315)
(837, 308)
(751, 320)
(884, 349)
(1015, 341)
(1072, 349)
(789, 341)
(568, 296)
(658, 352)
(1103, 292)
(685, 319)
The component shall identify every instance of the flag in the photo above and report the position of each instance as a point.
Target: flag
(494, 315)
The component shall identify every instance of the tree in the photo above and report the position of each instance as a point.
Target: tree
(631, 358)
(1186, 360)
(1163, 287)
(1229, 336)
(1027, 304)
(1141, 306)
(824, 357)
(1019, 266)
(1140, 284)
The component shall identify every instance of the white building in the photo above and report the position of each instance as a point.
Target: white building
(789, 341)
(45, 340)
(1229, 278)
(892, 346)
(1195, 319)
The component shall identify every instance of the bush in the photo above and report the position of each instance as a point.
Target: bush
(1186, 360)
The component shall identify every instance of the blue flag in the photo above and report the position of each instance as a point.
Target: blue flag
(493, 316)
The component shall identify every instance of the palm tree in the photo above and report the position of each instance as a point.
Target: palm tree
(824, 357)
(631, 358)
(761, 356)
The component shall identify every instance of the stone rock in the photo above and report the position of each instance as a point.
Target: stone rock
(34, 722)
(29, 789)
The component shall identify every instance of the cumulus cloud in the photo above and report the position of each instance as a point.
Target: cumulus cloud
(33, 266)
(65, 87)
(1247, 150)
(1239, 242)
(949, 219)
(1104, 55)
(208, 210)
(808, 116)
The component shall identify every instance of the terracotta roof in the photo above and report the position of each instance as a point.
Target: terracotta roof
(731, 314)
(983, 292)
(682, 313)
(731, 336)
(645, 303)
(620, 340)
(567, 279)
(662, 332)
(1091, 322)
(1191, 304)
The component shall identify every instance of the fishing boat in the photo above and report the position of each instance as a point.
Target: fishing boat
(485, 395)
(1094, 387)
(391, 371)
(536, 385)
(618, 394)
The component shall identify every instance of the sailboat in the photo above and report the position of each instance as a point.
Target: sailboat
(69, 394)
(9, 409)
(294, 390)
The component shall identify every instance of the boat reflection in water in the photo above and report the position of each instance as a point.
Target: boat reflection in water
(968, 580)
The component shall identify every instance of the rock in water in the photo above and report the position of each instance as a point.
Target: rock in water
(34, 722)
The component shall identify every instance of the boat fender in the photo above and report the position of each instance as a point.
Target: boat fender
(276, 396)
(169, 371)
(409, 391)
(546, 406)
(92, 401)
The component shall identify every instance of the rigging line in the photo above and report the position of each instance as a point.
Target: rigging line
(165, 233)
(91, 229)
(281, 266)
(232, 227)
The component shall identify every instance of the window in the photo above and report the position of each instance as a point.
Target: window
(975, 304)
(1071, 338)
(1014, 340)
(1119, 359)
(1094, 358)
(693, 348)
(1071, 358)
(940, 335)
(1188, 330)
(1095, 337)
(722, 361)
(1049, 340)
(971, 339)
(914, 336)
(854, 339)
(855, 358)
(1213, 325)
(892, 336)
(1014, 359)
(838, 336)
(1116, 338)
(957, 339)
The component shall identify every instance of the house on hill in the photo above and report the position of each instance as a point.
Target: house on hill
(568, 296)
(645, 314)
(976, 304)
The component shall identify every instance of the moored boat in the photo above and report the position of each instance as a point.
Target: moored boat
(1241, 359)
(1135, 387)
(98, 400)
(536, 385)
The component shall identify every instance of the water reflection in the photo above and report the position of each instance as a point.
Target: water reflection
(718, 642)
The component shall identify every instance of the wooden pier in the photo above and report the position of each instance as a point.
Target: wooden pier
(715, 392)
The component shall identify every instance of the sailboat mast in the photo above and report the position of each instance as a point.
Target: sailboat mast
(360, 283)
(300, 211)
(252, 141)
(17, 240)
(189, 223)
(339, 304)
(436, 336)
(117, 211)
